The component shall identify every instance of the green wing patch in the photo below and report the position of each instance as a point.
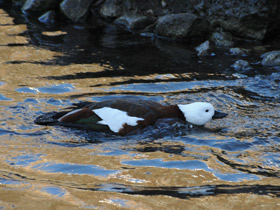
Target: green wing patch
(92, 122)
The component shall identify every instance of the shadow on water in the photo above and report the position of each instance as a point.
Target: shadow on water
(190, 192)
(127, 55)
(119, 50)
(250, 169)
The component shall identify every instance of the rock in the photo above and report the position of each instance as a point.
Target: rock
(205, 49)
(249, 19)
(241, 65)
(222, 39)
(39, 5)
(245, 18)
(163, 4)
(239, 51)
(135, 22)
(271, 58)
(17, 3)
(259, 49)
(182, 26)
(48, 18)
(111, 9)
(176, 6)
(75, 9)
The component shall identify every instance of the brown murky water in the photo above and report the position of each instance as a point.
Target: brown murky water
(233, 163)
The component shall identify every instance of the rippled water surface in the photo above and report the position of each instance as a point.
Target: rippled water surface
(229, 164)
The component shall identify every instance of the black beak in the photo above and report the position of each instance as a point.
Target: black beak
(218, 115)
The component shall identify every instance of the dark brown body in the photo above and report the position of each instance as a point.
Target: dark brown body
(150, 111)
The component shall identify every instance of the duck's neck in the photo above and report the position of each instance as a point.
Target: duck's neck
(171, 111)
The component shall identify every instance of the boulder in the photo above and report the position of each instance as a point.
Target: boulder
(39, 5)
(75, 9)
(271, 58)
(182, 26)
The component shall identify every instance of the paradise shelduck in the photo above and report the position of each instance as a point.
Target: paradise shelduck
(122, 116)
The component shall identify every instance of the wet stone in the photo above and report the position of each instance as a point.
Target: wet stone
(205, 49)
(75, 10)
(182, 26)
(111, 8)
(222, 39)
(271, 58)
(239, 51)
(135, 22)
(241, 65)
(48, 17)
(239, 76)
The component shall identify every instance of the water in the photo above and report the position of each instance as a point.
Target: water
(230, 163)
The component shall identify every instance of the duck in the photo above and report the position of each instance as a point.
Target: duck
(124, 115)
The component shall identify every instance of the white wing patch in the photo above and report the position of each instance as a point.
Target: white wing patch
(115, 118)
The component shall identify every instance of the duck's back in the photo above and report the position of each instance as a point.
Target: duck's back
(133, 107)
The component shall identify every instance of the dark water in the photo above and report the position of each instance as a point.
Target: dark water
(230, 163)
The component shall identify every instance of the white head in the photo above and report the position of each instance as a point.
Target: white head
(198, 113)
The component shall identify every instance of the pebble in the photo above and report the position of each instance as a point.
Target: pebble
(241, 65)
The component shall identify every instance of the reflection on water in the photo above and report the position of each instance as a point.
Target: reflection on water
(54, 191)
(73, 169)
(231, 162)
(55, 89)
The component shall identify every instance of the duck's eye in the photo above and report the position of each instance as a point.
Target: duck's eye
(207, 110)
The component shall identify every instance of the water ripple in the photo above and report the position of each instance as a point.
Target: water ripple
(67, 168)
(53, 89)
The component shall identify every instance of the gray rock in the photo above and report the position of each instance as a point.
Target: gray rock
(204, 49)
(75, 9)
(246, 18)
(112, 9)
(48, 17)
(38, 5)
(182, 26)
(135, 22)
(271, 58)
(239, 51)
(222, 39)
(241, 65)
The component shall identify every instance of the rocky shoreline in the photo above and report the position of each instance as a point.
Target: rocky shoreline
(217, 23)
(175, 19)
